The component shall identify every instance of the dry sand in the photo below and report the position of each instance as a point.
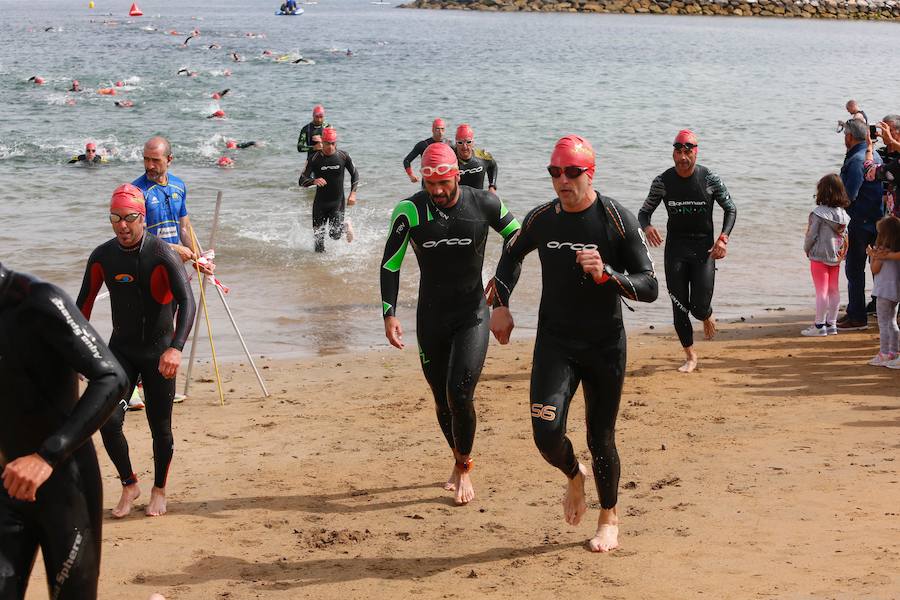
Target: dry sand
(772, 472)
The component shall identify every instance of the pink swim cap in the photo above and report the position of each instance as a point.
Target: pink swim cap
(329, 135)
(439, 122)
(685, 136)
(224, 161)
(464, 132)
(219, 114)
(318, 110)
(39, 80)
(573, 150)
(128, 197)
(231, 144)
(439, 162)
(90, 146)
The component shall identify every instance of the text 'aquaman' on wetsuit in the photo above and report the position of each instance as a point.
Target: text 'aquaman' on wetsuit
(44, 342)
(690, 270)
(580, 337)
(452, 319)
(146, 285)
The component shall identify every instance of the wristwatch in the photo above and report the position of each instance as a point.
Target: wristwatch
(607, 273)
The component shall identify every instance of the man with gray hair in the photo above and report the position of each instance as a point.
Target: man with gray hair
(866, 208)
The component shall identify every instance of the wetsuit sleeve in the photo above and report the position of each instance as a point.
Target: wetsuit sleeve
(638, 282)
(517, 246)
(402, 220)
(654, 197)
(90, 285)
(62, 327)
(303, 140)
(723, 198)
(74, 159)
(354, 174)
(183, 295)
(417, 151)
(492, 171)
(306, 177)
(501, 220)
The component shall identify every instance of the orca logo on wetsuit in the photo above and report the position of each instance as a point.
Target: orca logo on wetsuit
(447, 241)
(574, 246)
(327, 167)
(474, 170)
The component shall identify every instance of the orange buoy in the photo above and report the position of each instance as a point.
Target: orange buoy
(107, 91)
(135, 11)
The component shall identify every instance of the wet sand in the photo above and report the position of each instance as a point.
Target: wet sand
(770, 473)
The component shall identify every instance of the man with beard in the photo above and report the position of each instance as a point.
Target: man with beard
(447, 225)
(474, 164)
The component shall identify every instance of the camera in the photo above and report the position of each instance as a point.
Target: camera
(873, 131)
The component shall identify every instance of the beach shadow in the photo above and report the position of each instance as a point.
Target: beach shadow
(526, 376)
(888, 423)
(316, 503)
(284, 574)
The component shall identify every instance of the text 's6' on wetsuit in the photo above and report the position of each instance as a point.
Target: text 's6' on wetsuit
(580, 337)
(146, 285)
(44, 341)
(328, 205)
(690, 270)
(452, 319)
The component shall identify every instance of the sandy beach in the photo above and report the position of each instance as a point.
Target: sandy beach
(769, 473)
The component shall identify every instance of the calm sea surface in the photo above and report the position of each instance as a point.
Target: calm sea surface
(764, 96)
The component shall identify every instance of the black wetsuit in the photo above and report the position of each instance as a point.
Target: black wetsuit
(146, 284)
(690, 270)
(417, 151)
(304, 141)
(580, 337)
(83, 158)
(328, 205)
(44, 341)
(472, 172)
(452, 319)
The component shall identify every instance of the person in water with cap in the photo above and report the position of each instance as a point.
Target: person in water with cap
(314, 127)
(90, 156)
(475, 165)
(438, 127)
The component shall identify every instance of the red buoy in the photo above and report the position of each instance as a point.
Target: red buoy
(135, 11)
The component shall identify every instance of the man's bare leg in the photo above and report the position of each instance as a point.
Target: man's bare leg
(690, 362)
(607, 536)
(453, 480)
(709, 327)
(574, 504)
(130, 493)
(157, 505)
(465, 491)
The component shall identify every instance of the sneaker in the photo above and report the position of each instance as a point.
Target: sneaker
(815, 331)
(831, 328)
(179, 398)
(892, 364)
(852, 325)
(846, 317)
(135, 402)
(870, 308)
(881, 359)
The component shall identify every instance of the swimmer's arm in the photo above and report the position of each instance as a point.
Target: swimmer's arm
(654, 197)
(74, 159)
(354, 175)
(509, 267)
(639, 281)
(306, 178)
(492, 171)
(79, 346)
(90, 286)
(723, 199)
(392, 259)
(417, 151)
(502, 221)
(184, 299)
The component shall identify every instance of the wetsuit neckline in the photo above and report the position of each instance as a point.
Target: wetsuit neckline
(133, 248)
(578, 212)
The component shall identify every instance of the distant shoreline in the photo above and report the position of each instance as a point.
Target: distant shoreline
(881, 10)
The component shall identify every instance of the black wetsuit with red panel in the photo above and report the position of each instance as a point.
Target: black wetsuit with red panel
(148, 289)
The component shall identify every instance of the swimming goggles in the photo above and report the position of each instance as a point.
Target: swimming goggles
(688, 146)
(441, 169)
(129, 218)
(572, 172)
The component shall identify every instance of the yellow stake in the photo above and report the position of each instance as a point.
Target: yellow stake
(212, 345)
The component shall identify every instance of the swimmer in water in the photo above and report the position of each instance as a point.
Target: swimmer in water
(90, 156)
(76, 87)
(123, 103)
(218, 95)
(36, 79)
(236, 57)
(187, 72)
(214, 46)
(189, 38)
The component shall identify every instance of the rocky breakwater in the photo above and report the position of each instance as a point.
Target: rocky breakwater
(808, 9)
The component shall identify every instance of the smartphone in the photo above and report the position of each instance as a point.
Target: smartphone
(873, 131)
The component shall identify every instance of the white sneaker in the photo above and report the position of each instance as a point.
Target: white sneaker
(814, 331)
(892, 364)
(178, 398)
(135, 402)
(831, 328)
(880, 359)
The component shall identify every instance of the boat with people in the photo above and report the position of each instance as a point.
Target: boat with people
(289, 8)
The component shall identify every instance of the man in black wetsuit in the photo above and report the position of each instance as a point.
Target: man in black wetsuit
(437, 135)
(447, 225)
(90, 155)
(689, 192)
(146, 284)
(52, 495)
(325, 170)
(592, 252)
(315, 127)
(474, 164)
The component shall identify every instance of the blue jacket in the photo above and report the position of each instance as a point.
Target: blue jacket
(866, 203)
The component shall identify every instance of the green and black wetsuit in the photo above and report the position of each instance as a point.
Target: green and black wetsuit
(452, 319)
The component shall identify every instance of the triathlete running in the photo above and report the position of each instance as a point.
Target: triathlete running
(689, 192)
(447, 225)
(146, 284)
(52, 495)
(315, 127)
(437, 135)
(325, 170)
(475, 164)
(592, 253)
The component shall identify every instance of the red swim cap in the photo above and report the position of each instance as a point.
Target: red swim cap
(439, 122)
(128, 197)
(231, 144)
(318, 110)
(39, 80)
(439, 162)
(90, 146)
(216, 96)
(224, 161)
(329, 135)
(219, 114)
(685, 136)
(574, 151)
(75, 82)
(464, 132)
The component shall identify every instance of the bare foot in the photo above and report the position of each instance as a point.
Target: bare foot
(709, 328)
(452, 481)
(465, 492)
(130, 493)
(690, 362)
(157, 597)
(607, 536)
(574, 505)
(157, 505)
(348, 231)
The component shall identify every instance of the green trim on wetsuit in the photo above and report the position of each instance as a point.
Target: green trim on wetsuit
(385, 307)
(403, 209)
